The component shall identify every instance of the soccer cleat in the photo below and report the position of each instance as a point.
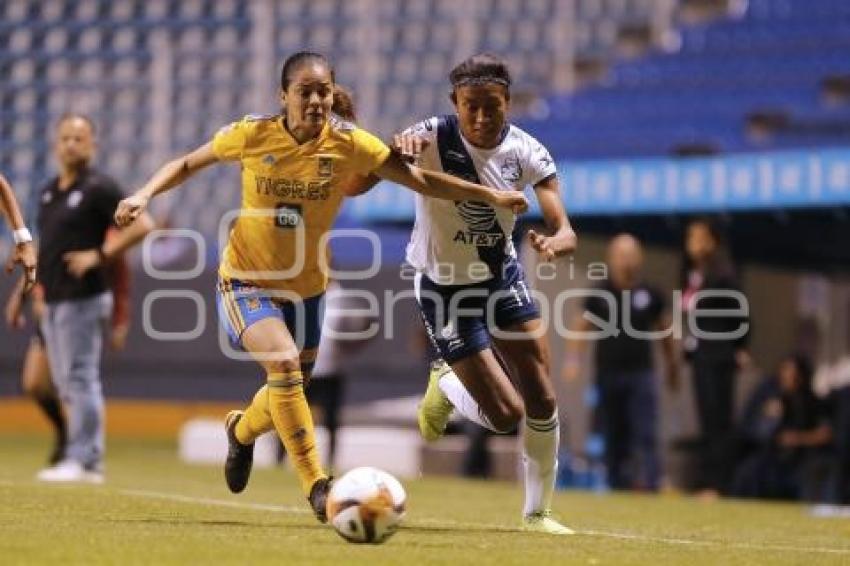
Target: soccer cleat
(318, 498)
(435, 408)
(240, 457)
(70, 471)
(543, 522)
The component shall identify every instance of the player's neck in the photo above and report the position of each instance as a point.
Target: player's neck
(68, 176)
(301, 134)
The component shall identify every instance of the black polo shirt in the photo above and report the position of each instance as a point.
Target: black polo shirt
(624, 352)
(71, 220)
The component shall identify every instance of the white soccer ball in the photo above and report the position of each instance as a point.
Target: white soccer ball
(366, 505)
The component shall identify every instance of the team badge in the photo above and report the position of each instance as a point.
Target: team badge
(253, 304)
(326, 166)
(269, 160)
(511, 169)
(74, 199)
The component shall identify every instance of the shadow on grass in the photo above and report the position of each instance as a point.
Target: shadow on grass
(175, 521)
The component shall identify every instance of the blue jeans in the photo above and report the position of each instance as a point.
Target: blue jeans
(73, 336)
(628, 410)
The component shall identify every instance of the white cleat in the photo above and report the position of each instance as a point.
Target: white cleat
(69, 471)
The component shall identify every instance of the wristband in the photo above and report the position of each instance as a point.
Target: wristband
(22, 236)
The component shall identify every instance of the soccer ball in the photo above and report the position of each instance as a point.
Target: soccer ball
(366, 505)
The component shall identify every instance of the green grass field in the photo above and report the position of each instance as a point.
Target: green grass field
(154, 510)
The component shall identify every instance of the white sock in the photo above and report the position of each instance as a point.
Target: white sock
(540, 438)
(463, 402)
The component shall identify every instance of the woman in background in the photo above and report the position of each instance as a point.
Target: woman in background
(718, 350)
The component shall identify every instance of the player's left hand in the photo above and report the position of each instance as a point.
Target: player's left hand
(25, 255)
(544, 245)
(551, 247)
(81, 262)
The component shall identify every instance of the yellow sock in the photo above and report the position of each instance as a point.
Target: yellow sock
(257, 419)
(294, 423)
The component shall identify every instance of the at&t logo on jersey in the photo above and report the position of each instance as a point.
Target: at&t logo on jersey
(481, 220)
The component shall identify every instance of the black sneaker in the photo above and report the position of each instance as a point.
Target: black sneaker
(240, 457)
(318, 498)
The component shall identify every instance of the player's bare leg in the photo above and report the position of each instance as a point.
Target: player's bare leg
(527, 356)
(477, 387)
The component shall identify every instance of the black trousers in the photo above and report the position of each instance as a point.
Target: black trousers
(714, 389)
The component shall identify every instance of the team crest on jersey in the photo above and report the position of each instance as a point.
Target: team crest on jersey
(511, 170)
(252, 304)
(74, 199)
(269, 160)
(326, 166)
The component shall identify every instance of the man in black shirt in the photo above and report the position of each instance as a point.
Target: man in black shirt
(75, 211)
(629, 310)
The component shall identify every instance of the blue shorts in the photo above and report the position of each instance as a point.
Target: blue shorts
(242, 304)
(458, 317)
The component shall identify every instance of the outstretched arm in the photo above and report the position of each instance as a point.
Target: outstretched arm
(24, 253)
(167, 177)
(444, 186)
(562, 239)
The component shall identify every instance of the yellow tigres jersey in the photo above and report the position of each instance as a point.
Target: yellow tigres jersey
(290, 198)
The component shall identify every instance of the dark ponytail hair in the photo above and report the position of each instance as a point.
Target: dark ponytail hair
(296, 60)
(343, 105)
(484, 68)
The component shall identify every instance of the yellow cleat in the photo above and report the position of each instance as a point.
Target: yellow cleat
(544, 523)
(435, 408)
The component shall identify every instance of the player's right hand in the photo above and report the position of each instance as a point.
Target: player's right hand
(410, 146)
(129, 209)
(25, 255)
(514, 200)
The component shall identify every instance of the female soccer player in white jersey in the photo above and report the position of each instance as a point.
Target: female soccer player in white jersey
(470, 285)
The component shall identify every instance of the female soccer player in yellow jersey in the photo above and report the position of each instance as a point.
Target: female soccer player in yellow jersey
(271, 279)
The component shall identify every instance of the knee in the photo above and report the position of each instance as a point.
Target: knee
(285, 364)
(506, 418)
(542, 407)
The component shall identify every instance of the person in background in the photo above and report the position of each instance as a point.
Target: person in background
(36, 381)
(788, 433)
(709, 283)
(625, 373)
(75, 211)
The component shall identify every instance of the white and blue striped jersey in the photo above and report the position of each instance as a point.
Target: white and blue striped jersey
(460, 243)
